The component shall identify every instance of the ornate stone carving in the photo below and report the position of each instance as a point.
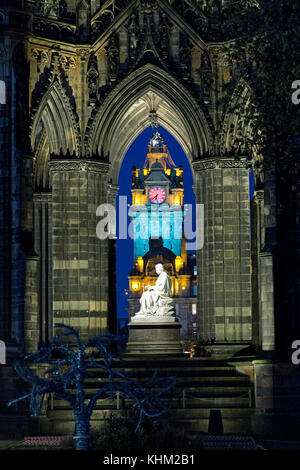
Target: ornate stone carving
(204, 165)
(54, 80)
(164, 30)
(54, 30)
(47, 8)
(42, 197)
(240, 163)
(147, 6)
(113, 59)
(205, 77)
(144, 72)
(83, 53)
(133, 30)
(259, 195)
(185, 58)
(202, 24)
(112, 192)
(93, 79)
(83, 21)
(81, 165)
(72, 63)
(220, 162)
(63, 61)
(45, 57)
(34, 54)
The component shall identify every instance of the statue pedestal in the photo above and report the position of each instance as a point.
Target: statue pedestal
(158, 336)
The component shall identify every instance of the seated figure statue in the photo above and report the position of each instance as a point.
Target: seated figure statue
(157, 300)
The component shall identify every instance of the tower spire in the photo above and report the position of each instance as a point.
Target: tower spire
(158, 151)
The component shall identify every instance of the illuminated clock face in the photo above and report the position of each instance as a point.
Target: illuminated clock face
(157, 195)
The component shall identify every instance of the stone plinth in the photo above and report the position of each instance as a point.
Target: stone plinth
(159, 336)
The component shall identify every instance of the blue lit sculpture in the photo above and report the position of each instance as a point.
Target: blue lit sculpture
(68, 367)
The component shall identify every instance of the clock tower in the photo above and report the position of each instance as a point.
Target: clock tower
(157, 224)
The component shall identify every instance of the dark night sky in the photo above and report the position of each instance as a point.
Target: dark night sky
(136, 155)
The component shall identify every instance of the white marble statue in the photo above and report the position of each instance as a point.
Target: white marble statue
(156, 302)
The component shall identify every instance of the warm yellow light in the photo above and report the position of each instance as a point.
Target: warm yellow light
(140, 263)
(135, 286)
(137, 201)
(177, 201)
(178, 263)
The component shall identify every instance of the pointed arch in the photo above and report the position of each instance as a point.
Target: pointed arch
(240, 106)
(59, 120)
(127, 111)
(237, 126)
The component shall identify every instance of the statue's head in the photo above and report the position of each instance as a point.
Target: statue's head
(159, 268)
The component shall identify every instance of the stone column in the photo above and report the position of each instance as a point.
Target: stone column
(262, 276)
(266, 217)
(262, 420)
(43, 247)
(266, 287)
(80, 259)
(112, 193)
(5, 191)
(223, 264)
(31, 310)
(257, 235)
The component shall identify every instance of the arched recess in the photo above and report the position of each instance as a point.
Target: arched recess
(237, 131)
(241, 135)
(148, 95)
(54, 131)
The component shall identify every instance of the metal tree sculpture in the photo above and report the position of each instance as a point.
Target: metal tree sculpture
(68, 367)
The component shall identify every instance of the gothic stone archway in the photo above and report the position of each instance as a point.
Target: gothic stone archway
(221, 184)
(88, 105)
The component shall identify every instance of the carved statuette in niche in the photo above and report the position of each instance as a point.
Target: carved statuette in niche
(93, 79)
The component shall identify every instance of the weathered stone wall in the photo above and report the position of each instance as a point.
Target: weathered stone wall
(5, 216)
(80, 259)
(223, 264)
(79, 97)
(32, 330)
(43, 247)
(276, 387)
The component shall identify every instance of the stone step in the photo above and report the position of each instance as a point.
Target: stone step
(183, 372)
(209, 389)
(230, 426)
(198, 402)
(189, 413)
(235, 421)
(187, 380)
(156, 361)
(208, 384)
